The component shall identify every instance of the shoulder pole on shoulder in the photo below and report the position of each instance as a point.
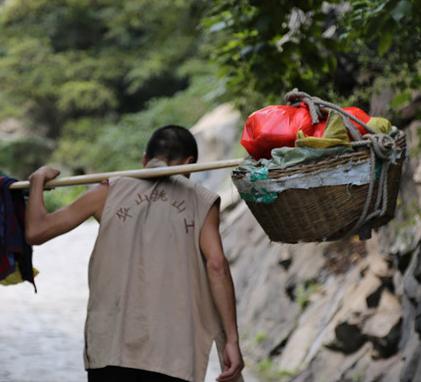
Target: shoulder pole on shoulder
(140, 174)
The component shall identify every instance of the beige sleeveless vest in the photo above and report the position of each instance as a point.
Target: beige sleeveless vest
(150, 305)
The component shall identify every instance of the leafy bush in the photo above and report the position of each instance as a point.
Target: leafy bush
(331, 49)
(60, 60)
(266, 48)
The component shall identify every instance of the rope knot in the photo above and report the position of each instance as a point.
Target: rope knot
(385, 147)
(295, 96)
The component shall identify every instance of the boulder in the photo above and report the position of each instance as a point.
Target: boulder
(332, 366)
(307, 263)
(344, 332)
(349, 337)
(264, 311)
(217, 134)
(368, 370)
(314, 325)
(384, 327)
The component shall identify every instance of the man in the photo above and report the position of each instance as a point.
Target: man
(160, 287)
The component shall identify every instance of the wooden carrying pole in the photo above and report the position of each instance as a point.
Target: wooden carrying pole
(141, 174)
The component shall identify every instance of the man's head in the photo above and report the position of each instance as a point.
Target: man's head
(172, 144)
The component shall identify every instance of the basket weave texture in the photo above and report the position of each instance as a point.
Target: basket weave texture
(324, 213)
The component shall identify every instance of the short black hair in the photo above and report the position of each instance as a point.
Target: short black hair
(172, 142)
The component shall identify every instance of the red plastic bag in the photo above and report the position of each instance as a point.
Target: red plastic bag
(319, 129)
(361, 115)
(275, 126)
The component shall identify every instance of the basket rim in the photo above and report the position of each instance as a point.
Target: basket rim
(361, 154)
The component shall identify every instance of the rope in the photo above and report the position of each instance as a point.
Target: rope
(295, 95)
(382, 147)
(363, 217)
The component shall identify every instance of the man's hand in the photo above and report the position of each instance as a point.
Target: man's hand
(233, 363)
(41, 226)
(46, 173)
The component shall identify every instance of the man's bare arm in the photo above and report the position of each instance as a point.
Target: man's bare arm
(222, 289)
(41, 226)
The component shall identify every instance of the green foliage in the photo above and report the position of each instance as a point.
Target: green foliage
(265, 48)
(85, 96)
(260, 337)
(111, 145)
(392, 26)
(331, 49)
(98, 77)
(386, 33)
(63, 59)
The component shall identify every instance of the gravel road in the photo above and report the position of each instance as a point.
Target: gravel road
(41, 335)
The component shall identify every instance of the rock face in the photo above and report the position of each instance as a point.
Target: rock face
(345, 311)
(216, 134)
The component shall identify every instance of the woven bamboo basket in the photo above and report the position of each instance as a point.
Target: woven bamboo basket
(327, 212)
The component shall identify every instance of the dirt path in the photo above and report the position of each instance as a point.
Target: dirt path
(41, 335)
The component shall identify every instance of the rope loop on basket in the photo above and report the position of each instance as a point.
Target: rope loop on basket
(384, 146)
(383, 149)
(315, 104)
(295, 96)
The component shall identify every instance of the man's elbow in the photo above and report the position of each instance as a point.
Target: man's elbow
(34, 237)
(217, 265)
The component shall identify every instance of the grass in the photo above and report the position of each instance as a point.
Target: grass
(304, 291)
(260, 337)
(268, 370)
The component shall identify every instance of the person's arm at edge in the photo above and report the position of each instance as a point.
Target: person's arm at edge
(222, 289)
(41, 226)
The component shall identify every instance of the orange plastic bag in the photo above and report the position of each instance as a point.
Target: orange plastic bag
(275, 126)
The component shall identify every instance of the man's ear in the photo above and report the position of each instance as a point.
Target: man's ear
(189, 160)
(145, 160)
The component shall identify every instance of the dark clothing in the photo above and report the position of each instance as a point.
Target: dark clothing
(15, 252)
(123, 374)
